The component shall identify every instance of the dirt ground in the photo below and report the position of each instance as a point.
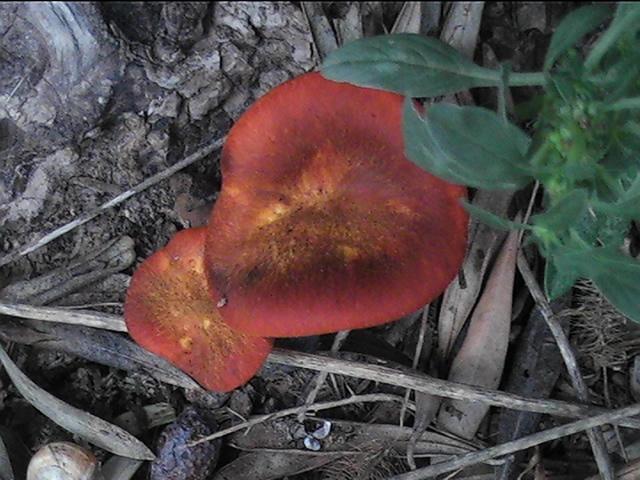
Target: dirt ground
(96, 98)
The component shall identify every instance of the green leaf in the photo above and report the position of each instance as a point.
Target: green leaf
(565, 212)
(574, 26)
(622, 289)
(616, 276)
(557, 282)
(409, 64)
(493, 220)
(467, 146)
(627, 204)
(624, 104)
(625, 21)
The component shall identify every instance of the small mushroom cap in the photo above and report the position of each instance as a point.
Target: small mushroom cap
(171, 310)
(322, 223)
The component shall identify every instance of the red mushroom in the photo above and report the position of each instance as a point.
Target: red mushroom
(171, 310)
(322, 223)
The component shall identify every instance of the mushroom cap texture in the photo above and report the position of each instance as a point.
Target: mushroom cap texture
(170, 310)
(322, 223)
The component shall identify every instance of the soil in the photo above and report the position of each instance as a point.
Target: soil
(94, 99)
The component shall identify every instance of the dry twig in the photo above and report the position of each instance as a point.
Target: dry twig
(520, 444)
(595, 435)
(408, 378)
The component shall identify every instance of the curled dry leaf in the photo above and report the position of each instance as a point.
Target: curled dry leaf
(89, 427)
(480, 360)
(324, 37)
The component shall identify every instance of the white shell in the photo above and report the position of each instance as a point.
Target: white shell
(63, 461)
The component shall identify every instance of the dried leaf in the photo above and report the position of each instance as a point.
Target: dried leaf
(409, 18)
(153, 416)
(18, 452)
(120, 468)
(274, 465)
(462, 25)
(461, 296)
(345, 436)
(349, 27)
(91, 428)
(323, 37)
(6, 471)
(101, 346)
(427, 407)
(480, 360)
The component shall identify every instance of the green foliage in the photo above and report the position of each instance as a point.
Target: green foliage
(413, 65)
(584, 147)
(467, 145)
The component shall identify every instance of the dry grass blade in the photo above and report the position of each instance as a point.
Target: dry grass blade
(520, 444)
(93, 429)
(426, 405)
(82, 219)
(423, 383)
(104, 321)
(349, 27)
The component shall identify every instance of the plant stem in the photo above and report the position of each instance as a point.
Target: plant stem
(527, 79)
(624, 104)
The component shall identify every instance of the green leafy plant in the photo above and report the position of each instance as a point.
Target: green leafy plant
(584, 148)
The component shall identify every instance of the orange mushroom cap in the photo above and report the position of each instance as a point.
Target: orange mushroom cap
(171, 310)
(322, 223)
